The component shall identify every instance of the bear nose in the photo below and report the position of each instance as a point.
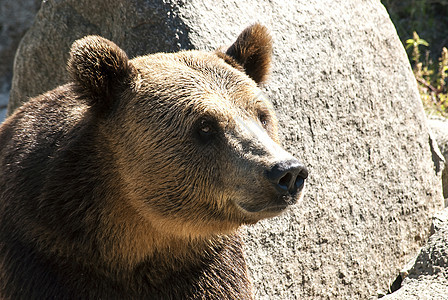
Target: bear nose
(287, 176)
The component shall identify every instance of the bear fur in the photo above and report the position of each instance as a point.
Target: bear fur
(130, 182)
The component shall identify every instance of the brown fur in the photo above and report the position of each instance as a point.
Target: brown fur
(111, 187)
(254, 53)
(100, 67)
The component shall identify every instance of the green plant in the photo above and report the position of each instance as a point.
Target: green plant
(414, 43)
(428, 18)
(431, 77)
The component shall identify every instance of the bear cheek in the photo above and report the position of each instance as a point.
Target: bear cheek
(188, 200)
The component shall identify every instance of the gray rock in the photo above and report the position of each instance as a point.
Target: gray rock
(427, 278)
(16, 16)
(439, 128)
(4, 97)
(348, 107)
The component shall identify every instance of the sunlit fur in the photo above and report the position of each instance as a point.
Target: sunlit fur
(106, 191)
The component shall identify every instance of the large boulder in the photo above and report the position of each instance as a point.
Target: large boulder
(348, 106)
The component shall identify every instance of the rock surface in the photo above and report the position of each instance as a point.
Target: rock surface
(16, 16)
(348, 107)
(428, 276)
(3, 105)
(439, 128)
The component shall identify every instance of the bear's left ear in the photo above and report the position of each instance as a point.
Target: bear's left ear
(253, 51)
(100, 68)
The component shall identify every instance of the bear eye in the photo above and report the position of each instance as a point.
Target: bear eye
(205, 130)
(264, 118)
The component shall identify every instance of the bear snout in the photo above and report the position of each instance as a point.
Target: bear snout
(282, 185)
(288, 177)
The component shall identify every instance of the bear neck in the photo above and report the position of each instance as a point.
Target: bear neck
(210, 267)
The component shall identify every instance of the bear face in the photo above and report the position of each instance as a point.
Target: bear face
(195, 139)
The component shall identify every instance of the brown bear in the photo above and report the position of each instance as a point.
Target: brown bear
(131, 181)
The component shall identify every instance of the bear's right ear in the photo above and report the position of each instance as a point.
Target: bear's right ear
(253, 51)
(100, 68)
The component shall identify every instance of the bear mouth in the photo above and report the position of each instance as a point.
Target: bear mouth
(257, 209)
(268, 208)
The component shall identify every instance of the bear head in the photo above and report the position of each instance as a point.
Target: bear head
(194, 139)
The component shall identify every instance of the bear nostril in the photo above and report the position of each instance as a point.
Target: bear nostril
(287, 176)
(285, 181)
(299, 183)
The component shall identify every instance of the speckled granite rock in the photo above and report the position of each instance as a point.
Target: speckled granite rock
(16, 16)
(427, 278)
(439, 128)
